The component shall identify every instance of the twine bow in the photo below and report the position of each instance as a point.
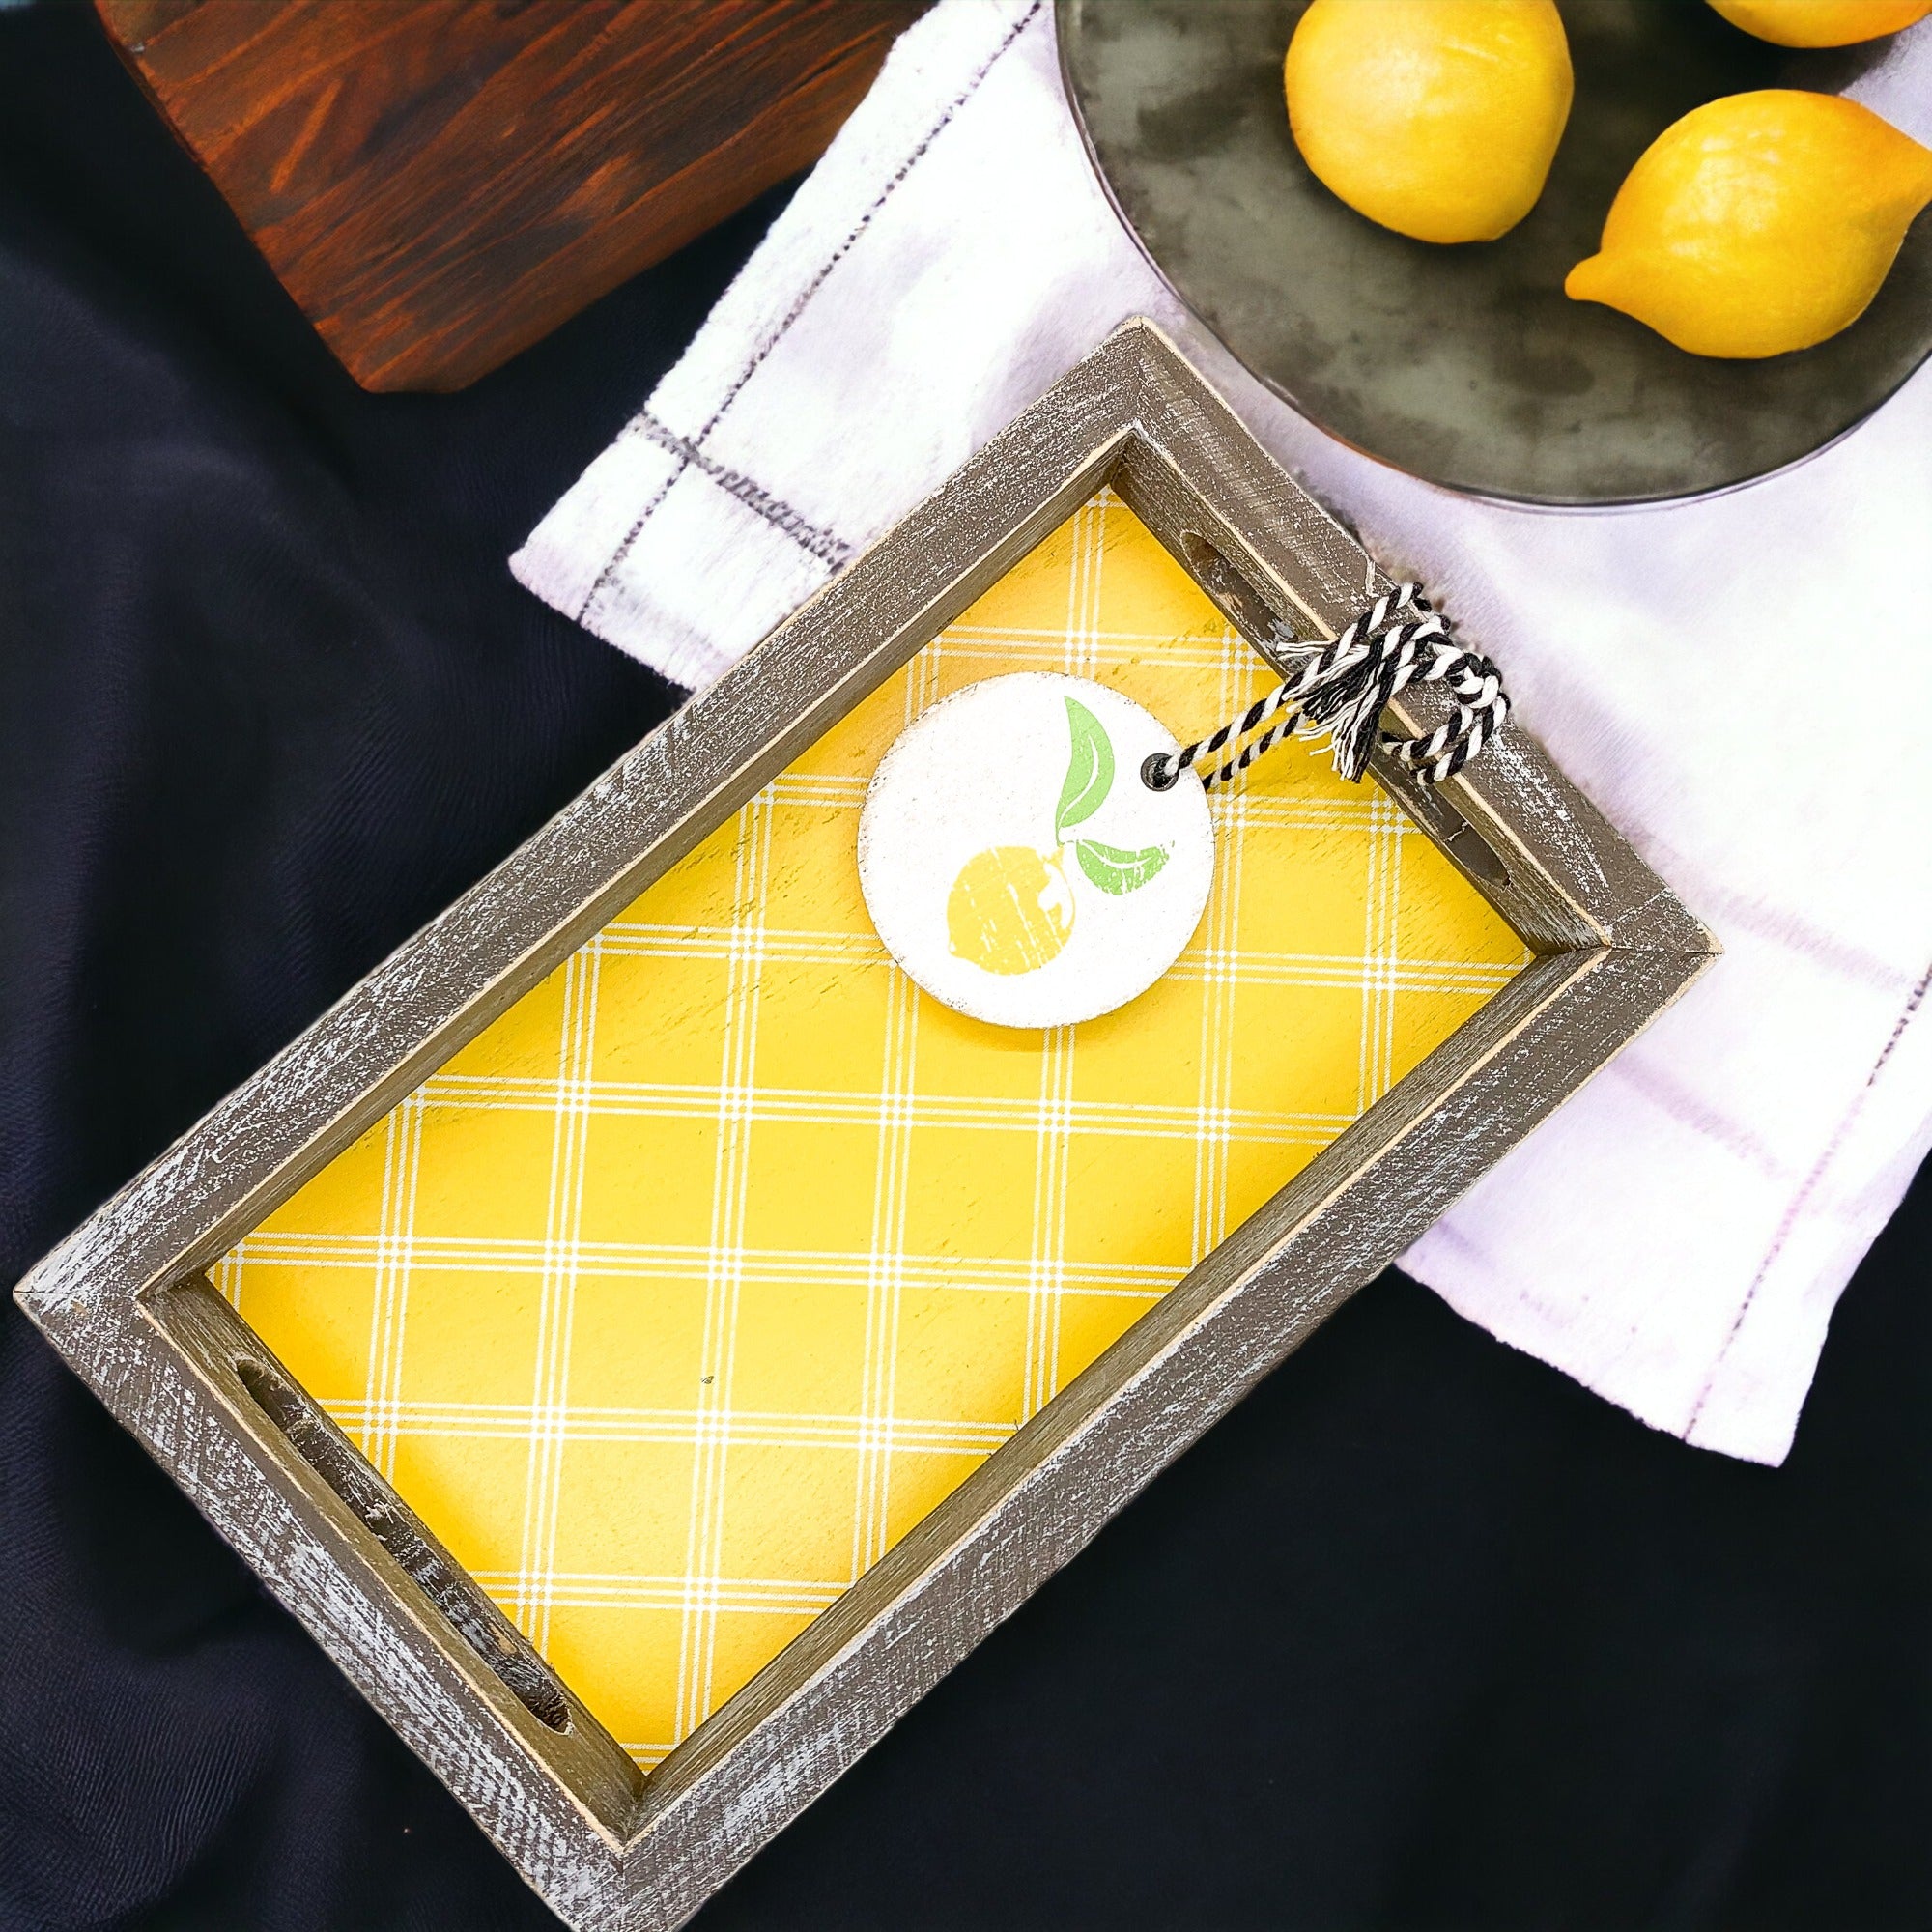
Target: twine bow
(1341, 688)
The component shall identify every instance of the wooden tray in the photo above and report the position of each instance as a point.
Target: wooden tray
(128, 1302)
(438, 183)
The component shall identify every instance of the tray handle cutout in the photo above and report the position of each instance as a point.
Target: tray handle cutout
(481, 1625)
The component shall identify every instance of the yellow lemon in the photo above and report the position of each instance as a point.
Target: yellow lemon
(1821, 23)
(1758, 223)
(1011, 909)
(1435, 118)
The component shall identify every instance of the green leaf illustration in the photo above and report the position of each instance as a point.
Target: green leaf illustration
(1090, 771)
(1116, 871)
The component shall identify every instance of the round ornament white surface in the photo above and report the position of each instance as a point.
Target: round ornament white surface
(1015, 862)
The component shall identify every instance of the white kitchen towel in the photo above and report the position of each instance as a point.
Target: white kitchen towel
(1723, 677)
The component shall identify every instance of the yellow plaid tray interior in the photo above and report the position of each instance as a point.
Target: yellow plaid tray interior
(684, 1291)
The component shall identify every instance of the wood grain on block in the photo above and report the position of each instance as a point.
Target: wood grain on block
(442, 184)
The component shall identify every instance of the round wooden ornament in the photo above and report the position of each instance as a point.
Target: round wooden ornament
(1018, 863)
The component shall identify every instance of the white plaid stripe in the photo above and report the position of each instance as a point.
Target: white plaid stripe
(1219, 964)
(551, 1383)
(886, 1276)
(624, 1590)
(1381, 908)
(698, 1640)
(402, 1152)
(673, 1260)
(777, 1429)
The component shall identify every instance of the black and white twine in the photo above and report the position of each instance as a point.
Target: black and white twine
(1341, 688)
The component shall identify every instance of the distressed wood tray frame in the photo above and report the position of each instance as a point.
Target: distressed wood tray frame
(127, 1301)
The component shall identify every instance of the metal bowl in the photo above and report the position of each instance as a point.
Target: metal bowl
(1467, 365)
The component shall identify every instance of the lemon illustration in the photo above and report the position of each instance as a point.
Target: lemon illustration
(1435, 118)
(1011, 909)
(1758, 223)
(1821, 23)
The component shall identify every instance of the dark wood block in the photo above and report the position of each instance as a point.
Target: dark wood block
(440, 182)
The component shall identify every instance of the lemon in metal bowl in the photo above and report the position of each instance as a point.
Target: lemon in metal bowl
(1435, 118)
(1758, 224)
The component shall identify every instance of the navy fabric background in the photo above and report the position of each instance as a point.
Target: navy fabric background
(1423, 1636)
